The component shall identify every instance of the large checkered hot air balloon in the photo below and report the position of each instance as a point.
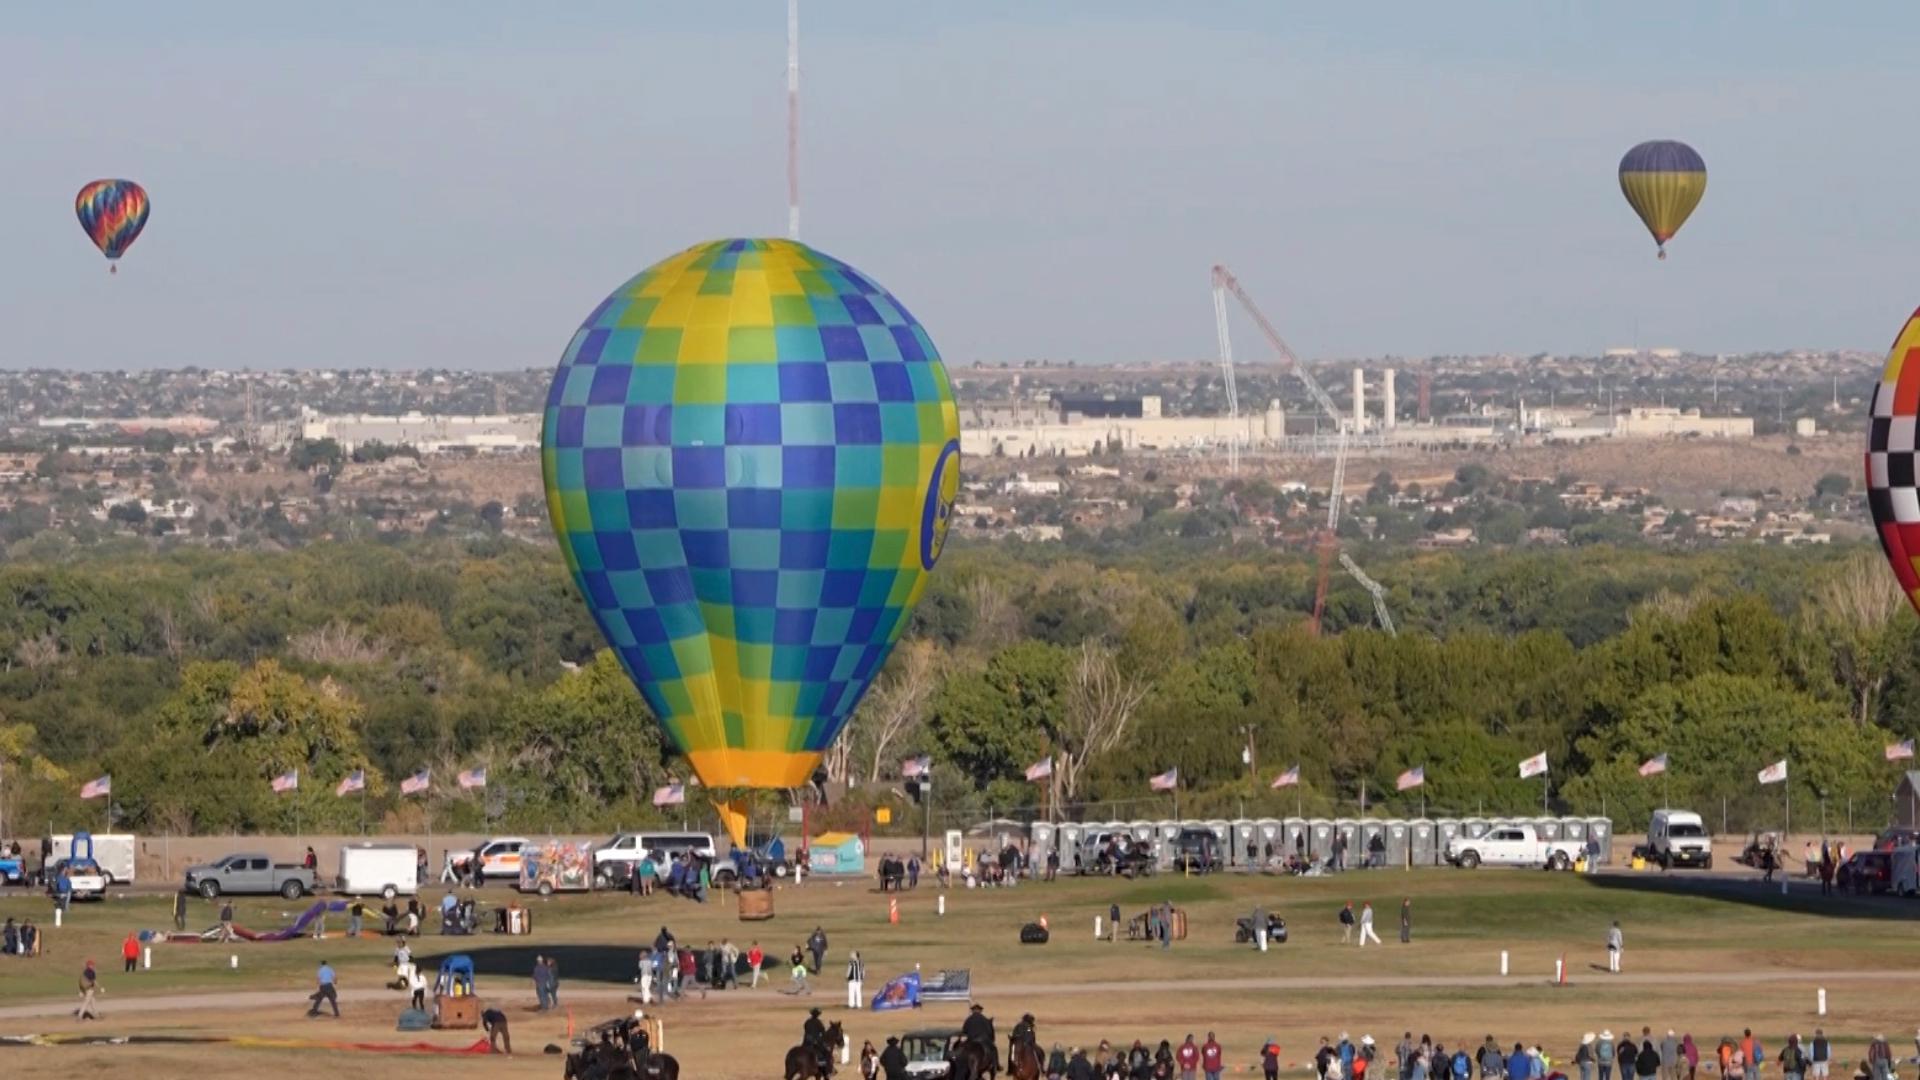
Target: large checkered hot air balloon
(1892, 495)
(751, 454)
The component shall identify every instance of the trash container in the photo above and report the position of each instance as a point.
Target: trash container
(1420, 849)
(1399, 842)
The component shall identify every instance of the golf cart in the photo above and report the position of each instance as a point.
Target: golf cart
(926, 1052)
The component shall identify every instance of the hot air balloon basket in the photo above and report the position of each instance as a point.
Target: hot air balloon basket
(756, 905)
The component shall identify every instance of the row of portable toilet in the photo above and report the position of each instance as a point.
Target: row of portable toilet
(1254, 843)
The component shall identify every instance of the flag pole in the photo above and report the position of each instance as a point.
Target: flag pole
(297, 834)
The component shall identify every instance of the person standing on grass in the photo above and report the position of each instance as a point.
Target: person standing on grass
(356, 917)
(817, 945)
(1603, 1055)
(1403, 1055)
(324, 991)
(1366, 925)
(1212, 1057)
(1188, 1057)
(1649, 1060)
(1793, 1061)
(1616, 944)
(89, 987)
(226, 921)
(798, 974)
(1880, 1058)
(417, 984)
(180, 910)
(1406, 921)
(130, 951)
(1819, 1058)
(1583, 1056)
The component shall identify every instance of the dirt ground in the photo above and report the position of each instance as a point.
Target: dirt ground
(1710, 963)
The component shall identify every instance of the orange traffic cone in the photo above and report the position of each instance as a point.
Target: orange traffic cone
(893, 910)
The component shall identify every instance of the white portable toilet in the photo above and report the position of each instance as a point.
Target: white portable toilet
(1348, 832)
(1574, 829)
(1474, 828)
(1546, 828)
(1272, 834)
(1600, 840)
(1370, 828)
(1142, 832)
(1294, 832)
(1166, 833)
(1245, 847)
(1420, 837)
(1399, 842)
(1068, 837)
(1444, 832)
(1040, 836)
(1320, 834)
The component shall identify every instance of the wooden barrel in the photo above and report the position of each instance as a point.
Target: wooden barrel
(756, 905)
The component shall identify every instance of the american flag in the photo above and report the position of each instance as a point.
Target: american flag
(94, 789)
(1900, 751)
(1288, 778)
(673, 794)
(417, 783)
(286, 781)
(1166, 781)
(353, 781)
(1654, 766)
(473, 778)
(916, 767)
(1534, 765)
(1412, 778)
(1040, 770)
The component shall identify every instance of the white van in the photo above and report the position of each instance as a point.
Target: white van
(384, 870)
(1679, 838)
(628, 847)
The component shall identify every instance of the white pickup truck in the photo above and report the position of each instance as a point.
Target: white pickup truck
(1512, 845)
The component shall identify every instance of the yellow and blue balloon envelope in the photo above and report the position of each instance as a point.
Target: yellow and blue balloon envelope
(751, 454)
(1663, 181)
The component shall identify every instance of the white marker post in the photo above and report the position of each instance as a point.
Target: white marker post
(940, 904)
(1560, 971)
(846, 1051)
(1096, 928)
(1823, 1001)
(146, 958)
(233, 961)
(1503, 961)
(1262, 932)
(56, 914)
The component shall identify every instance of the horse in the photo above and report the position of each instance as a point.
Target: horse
(971, 1061)
(661, 1067)
(814, 1060)
(1024, 1061)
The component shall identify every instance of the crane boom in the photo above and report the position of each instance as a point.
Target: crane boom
(1226, 371)
(1377, 590)
(1223, 280)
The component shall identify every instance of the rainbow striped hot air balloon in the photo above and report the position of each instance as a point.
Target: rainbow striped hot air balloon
(112, 212)
(751, 454)
(1892, 493)
(1663, 181)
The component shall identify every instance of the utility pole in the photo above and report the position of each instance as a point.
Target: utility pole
(793, 119)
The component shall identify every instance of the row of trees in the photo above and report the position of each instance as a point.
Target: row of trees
(194, 677)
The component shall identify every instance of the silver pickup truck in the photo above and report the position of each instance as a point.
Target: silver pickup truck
(249, 873)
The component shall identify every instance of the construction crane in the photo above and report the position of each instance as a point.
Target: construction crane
(1226, 371)
(1327, 543)
(1377, 590)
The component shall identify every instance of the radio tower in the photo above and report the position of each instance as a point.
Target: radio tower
(793, 119)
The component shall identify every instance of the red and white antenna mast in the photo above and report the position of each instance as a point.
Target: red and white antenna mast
(793, 119)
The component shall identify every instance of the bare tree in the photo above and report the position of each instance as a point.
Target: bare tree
(38, 653)
(338, 642)
(173, 637)
(898, 704)
(996, 621)
(1854, 612)
(1098, 708)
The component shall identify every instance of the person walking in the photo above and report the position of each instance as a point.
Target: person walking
(1603, 1055)
(1270, 1059)
(356, 917)
(1366, 925)
(817, 945)
(553, 982)
(1690, 1053)
(755, 958)
(1212, 1058)
(1406, 921)
(89, 988)
(798, 974)
(542, 993)
(856, 978)
(417, 986)
(729, 965)
(130, 952)
(1616, 943)
(180, 910)
(323, 991)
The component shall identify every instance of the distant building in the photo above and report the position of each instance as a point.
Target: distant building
(1653, 422)
(1806, 427)
(425, 433)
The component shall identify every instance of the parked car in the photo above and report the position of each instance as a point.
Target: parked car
(1866, 873)
(250, 873)
(89, 882)
(1679, 838)
(1512, 845)
(663, 846)
(1897, 836)
(498, 858)
(1196, 851)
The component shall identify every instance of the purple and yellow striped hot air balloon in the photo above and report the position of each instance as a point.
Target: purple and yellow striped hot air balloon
(112, 212)
(1663, 181)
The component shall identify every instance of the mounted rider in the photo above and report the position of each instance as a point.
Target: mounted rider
(1023, 1032)
(978, 1030)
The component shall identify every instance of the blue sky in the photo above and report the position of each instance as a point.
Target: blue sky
(409, 185)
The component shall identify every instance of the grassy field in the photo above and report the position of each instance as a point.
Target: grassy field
(1709, 965)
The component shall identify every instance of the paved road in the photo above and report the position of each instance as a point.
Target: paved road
(265, 999)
